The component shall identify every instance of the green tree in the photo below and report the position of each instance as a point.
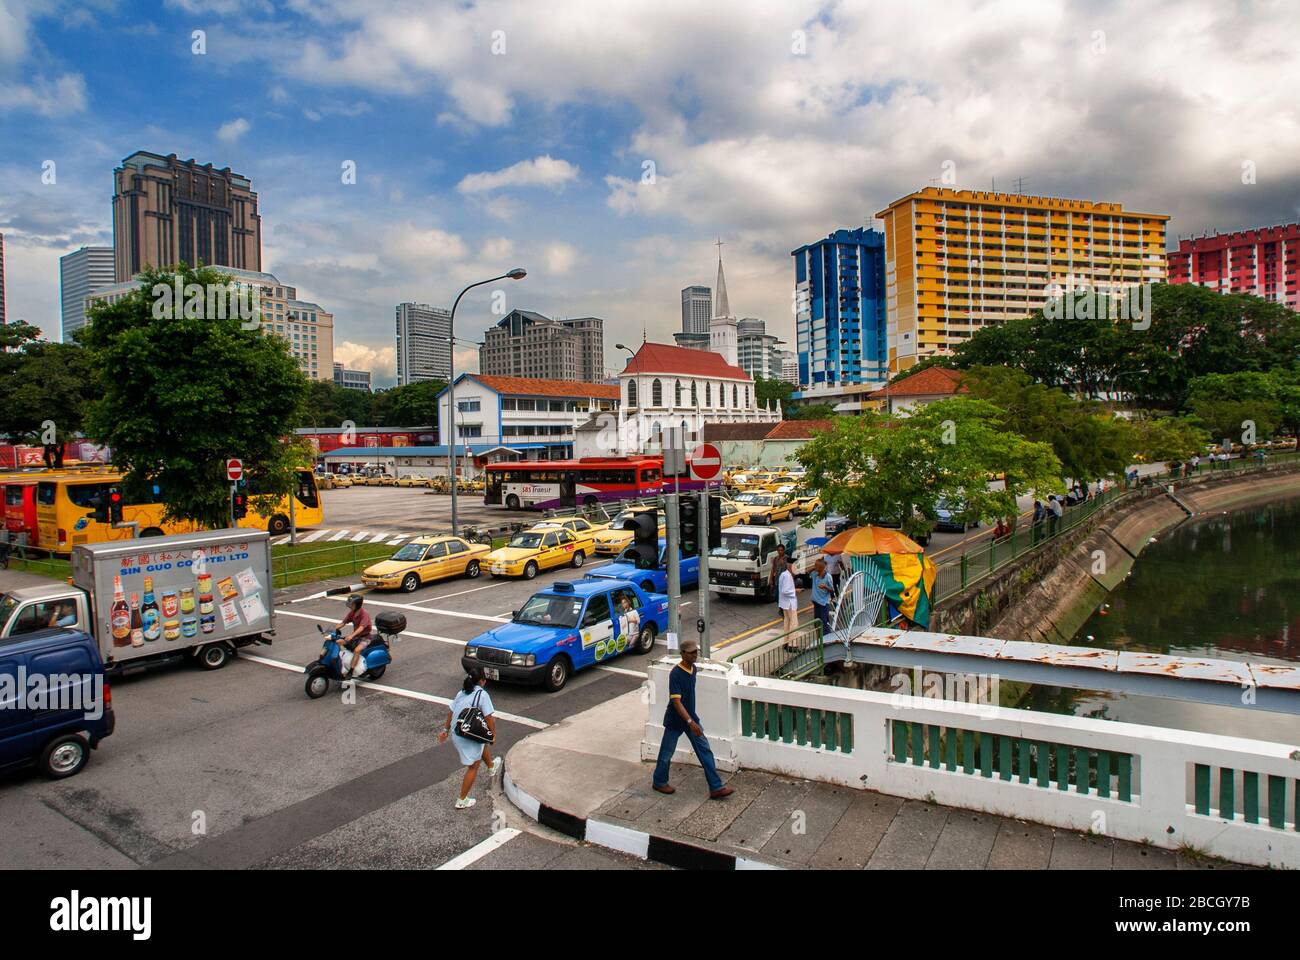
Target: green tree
(871, 469)
(776, 391)
(813, 411)
(1242, 407)
(1168, 438)
(47, 382)
(411, 405)
(178, 392)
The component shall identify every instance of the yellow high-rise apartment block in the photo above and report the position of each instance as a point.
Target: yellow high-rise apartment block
(958, 260)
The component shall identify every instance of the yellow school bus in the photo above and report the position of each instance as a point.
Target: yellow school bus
(64, 504)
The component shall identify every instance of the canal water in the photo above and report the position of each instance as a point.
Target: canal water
(1223, 585)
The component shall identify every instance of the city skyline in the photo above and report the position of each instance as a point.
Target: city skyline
(610, 184)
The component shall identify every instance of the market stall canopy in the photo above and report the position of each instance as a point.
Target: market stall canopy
(871, 540)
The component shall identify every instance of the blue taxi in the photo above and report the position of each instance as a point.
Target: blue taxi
(566, 627)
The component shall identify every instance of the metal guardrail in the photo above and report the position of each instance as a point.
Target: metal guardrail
(790, 656)
(955, 574)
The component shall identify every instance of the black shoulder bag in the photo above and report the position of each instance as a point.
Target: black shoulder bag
(471, 724)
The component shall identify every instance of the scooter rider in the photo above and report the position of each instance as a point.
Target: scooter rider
(359, 638)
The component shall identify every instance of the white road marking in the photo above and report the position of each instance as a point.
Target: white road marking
(481, 850)
(279, 540)
(396, 540)
(361, 536)
(448, 596)
(625, 671)
(445, 613)
(338, 536)
(315, 536)
(405, 633)
(395, 691)
(379, 536)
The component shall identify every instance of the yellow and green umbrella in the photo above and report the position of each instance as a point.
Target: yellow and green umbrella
(906, 573)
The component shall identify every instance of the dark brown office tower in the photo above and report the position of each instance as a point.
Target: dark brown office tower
(166, 211)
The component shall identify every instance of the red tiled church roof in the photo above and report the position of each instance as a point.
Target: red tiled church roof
(662, 358)
(527, 386)
(797, 429)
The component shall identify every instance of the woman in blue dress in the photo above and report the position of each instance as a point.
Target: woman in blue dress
(472, 753)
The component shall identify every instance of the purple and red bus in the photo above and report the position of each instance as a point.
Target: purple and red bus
(545, 484)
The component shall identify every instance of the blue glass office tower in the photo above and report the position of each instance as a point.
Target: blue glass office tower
(839, 301)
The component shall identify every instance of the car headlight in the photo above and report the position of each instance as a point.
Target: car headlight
(471, 652)
(522, 659)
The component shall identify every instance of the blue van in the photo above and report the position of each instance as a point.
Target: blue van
(55, 704)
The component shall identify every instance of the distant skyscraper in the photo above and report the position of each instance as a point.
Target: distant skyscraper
(790, 367)
(1260, 261)
(591, 347)
(351, 379)
(423, 343)
(2, 278)
(82, 273)
(697, 309)
(168, 211)
(757, 352)
(527, 344)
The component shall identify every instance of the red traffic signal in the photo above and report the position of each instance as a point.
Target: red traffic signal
(114, 505)
(239, 505)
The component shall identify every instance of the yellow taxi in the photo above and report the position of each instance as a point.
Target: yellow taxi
(614, 538)
(530, 551)
(733, 513)
(425, 559)
(413, 480)
(806, 504)
(333, 481)
(580, 527)
(768, 508)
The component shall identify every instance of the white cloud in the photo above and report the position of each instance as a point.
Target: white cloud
(543, 171)
(415, 246)
(559, 258)
(232, 130)
(497, 248)
(380, 361)
(50, 98)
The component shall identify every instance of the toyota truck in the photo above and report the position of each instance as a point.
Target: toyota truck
(741, 563)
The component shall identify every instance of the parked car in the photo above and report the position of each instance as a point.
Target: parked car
(565, 628)
(531, 551)
(413, 480)
(424, 560)
(948, 517)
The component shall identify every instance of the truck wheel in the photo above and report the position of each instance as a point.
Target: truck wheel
(318, 682)
(411, 583)
(512, 502)
(64, 756)
(213, 657)
(530, 570)
(557, 674)
(151, 532)
(578, 558)
(645, 641)
(278, 526)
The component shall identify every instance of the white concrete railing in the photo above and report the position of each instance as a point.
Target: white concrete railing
(1133, 782)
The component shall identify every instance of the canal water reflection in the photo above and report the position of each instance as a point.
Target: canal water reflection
(1222, 585)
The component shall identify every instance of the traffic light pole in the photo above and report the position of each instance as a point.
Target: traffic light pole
(672, 521)
(702, 624)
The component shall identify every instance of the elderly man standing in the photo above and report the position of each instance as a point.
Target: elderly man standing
(788, 597)
(680, 718)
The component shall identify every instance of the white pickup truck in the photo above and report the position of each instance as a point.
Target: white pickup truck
(740, 565)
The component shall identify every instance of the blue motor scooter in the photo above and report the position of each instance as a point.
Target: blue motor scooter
(377, 656)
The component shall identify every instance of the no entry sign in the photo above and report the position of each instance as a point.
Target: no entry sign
(234, 470)
(706, 462)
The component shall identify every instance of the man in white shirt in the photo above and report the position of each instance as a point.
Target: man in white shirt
(833, 567)
(788, 597)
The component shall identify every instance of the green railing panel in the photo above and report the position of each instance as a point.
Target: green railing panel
(1227, 800)
(950, 749)
(918, 744)
(746, 718)
(1082, 769)
(900, 740)
(1024, 759)
(1250, 796)
(935, 759)
(1062, 767)
(1125, 762)
(1276, 802)
(1202, 789)
(986, 755)
(1043, 759)
(1004, 757)
(829, 740)
(801, 726)
(815, 727)
(968, 751)
(846, 733)
(1103, 773)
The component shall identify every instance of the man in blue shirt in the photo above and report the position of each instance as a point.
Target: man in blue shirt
(680, 718)
(823, 586)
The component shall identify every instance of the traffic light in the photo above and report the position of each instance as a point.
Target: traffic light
(238, 505)
(114, 505)
(715, 518)
(645, 540)
(688, 513)
(100, 504)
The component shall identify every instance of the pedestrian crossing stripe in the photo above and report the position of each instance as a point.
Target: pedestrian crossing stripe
(330, 535)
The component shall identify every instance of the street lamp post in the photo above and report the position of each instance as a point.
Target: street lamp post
(518, 273)
(621, 438)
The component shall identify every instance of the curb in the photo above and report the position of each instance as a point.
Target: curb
(637, 843)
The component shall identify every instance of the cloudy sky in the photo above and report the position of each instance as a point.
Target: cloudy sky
(604, 146)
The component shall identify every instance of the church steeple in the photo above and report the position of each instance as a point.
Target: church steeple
(721, 307)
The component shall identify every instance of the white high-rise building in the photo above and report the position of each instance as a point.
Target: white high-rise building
(697, 309)
(423, 343)
(82, 273)
(723, 335)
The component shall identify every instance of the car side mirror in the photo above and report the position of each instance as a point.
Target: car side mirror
(514, 614)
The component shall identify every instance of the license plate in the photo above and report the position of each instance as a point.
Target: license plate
(498, 568)
(492, 673)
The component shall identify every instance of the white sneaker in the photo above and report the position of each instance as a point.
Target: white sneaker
(465, 803)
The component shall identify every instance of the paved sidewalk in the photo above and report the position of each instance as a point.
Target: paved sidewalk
(589, 768)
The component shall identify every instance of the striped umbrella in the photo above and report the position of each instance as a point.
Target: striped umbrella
(906, 572)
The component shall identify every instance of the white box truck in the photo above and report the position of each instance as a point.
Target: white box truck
(741, 563)
(156, 599)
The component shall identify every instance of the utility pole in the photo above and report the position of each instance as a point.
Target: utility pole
(702, 624)
(672, 520)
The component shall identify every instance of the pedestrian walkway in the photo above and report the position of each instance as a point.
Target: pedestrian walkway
(328, 534)
(585, 775)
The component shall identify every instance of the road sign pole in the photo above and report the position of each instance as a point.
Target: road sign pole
(702, 513)
(233, 522)
(672, 528)
(293, 520)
